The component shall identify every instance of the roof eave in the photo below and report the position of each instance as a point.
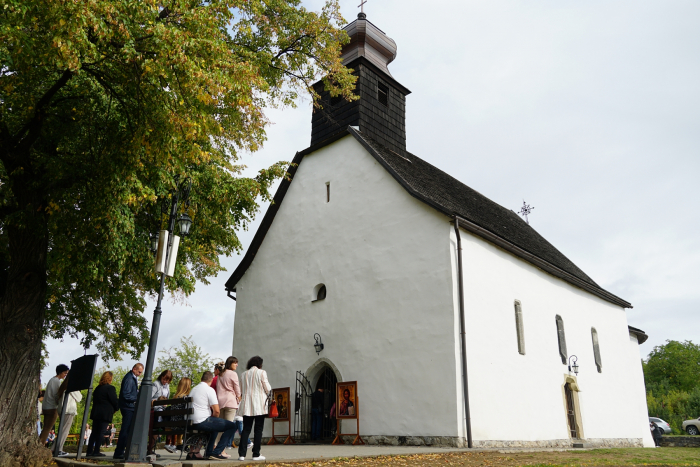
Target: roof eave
(641, 335)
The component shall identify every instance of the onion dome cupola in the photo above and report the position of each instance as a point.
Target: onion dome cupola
(380, 112)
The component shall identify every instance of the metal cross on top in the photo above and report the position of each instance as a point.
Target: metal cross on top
(361, 6)
(525, 211)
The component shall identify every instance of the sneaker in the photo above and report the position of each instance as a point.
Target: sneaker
(250, 445)
(62, 454)
(241, 458)
(259, 458)
(170, 448)
(226, 456)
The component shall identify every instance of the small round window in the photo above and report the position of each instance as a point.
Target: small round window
(319, 292)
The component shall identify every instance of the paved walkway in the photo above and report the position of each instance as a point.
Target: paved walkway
(296, 453)
(280, 453)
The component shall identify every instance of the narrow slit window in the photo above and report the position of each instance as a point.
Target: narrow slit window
(561, 337)
(520, 332)
(328, 192)
(596, 350)
(383, 94)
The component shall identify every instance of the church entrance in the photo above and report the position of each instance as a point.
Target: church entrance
(571, 411)
(303, 405)
(327, 382)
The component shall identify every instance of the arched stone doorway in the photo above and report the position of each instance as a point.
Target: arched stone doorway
(314, 372)
(323, 375)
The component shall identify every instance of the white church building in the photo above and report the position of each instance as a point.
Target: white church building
(360, 251)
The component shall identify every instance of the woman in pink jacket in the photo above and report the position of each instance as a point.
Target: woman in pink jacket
(228, 392)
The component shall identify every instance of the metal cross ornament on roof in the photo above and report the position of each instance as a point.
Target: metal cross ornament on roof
(525, 211)
(361, 6)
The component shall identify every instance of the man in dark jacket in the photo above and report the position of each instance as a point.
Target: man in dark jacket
(128, 394)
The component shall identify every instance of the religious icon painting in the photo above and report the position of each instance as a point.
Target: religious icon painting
(281, 397)
(346, 399)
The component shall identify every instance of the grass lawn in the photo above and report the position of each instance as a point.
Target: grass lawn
(626, 457)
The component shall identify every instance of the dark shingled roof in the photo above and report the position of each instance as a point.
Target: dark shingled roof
(474, 211)
(641, 335)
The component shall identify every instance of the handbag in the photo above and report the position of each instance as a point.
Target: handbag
(272, 411)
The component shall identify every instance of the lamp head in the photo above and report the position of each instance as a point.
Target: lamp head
(318, 346)
(185, 222)
(154, 242)
(573, 366)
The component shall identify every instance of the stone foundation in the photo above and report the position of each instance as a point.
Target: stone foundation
(439, 441)
(456, 442)
(680, 441)
(564, 443)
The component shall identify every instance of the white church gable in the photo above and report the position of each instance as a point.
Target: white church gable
(384, 258)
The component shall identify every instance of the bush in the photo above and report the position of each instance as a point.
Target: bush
(675, 407)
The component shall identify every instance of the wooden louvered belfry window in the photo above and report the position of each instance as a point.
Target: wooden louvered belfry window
(596, 350)
(561, 337)
(519, 329)
(383, 94)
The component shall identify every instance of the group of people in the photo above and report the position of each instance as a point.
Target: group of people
(50, 403)
(222, 404)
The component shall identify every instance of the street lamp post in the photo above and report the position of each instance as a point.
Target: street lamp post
(137, 444)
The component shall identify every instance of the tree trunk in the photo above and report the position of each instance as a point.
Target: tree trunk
(21, 330)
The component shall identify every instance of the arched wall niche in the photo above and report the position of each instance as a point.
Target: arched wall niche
(314, 371)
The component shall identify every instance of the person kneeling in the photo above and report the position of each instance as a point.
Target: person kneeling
(205, 407)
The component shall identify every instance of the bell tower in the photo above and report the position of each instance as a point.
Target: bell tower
(380, 112)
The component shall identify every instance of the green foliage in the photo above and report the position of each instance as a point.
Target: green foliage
(188, 360)
(103, 102)
(672, 377)
(675, 365)
(675, 407)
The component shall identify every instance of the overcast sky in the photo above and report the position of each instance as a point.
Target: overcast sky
(587, 110)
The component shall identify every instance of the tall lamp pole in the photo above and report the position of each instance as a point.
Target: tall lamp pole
(137, 444)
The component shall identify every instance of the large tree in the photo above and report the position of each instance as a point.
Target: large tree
(674, 366)
(189, 360)
(102, 104)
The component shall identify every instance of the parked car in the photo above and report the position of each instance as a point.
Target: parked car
(662, 424)
(692, 427)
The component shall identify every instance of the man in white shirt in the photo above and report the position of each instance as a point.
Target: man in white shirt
(50, 403)
(204, 418)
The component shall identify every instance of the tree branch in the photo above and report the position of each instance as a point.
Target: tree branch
(100, 79)
(30, 131)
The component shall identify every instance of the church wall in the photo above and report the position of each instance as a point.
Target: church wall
(640, 393)
(387, 320)
(520, 398)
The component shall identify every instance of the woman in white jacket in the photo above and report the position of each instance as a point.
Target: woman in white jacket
(71, 411)
(253, 406)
